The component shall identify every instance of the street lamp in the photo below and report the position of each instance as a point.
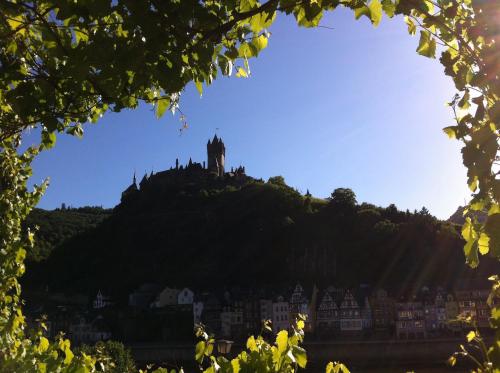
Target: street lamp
(224, 346)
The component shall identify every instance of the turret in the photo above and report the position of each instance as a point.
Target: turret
(216, 154)
(130, 190)
(143, 181)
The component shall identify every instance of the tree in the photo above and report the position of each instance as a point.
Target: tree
(343, 198)
(114, 352)
(64, 63)
(278, 180)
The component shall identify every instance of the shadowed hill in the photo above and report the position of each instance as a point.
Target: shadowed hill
(212, 234)
(56, 226)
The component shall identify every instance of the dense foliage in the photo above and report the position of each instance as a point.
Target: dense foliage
(284, 354)
(63, 63)
(264, 234)
(55, 227)
(114, 352)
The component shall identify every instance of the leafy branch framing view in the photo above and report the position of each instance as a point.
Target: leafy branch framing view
(65, 63)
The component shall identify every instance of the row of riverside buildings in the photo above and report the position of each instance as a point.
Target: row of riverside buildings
(330, 311)
(156, 314)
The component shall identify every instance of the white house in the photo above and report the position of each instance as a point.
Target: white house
(101, 301)
(266, 309)
(82, 331)
(167, 297)
(350, 314)
(280, 315)
(231, 321)
(185, 296)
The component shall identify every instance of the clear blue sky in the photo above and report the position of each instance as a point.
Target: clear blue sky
(350, 107)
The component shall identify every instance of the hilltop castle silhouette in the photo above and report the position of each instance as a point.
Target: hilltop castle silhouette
(214, 168)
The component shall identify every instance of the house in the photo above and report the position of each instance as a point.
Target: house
(350, 315)
(281, 314)
(440, 302)
(101, 301)
(483, 310)
(327, 316)
(410, 321)
(366, 314)
(251, 314)
(142, 297)
(211, 316)
(265, 309)
(451, 314)
(299, 304)
(167, 297)
(382, 310)
(430, 312)
(185, 296)
(231, 319)
(84, 331)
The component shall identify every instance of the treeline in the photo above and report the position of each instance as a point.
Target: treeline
(54, 227)
(259, 234)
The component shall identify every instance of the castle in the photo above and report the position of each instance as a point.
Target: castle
(214, 168)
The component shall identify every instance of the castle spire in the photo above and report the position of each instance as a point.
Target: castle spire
(134, 180)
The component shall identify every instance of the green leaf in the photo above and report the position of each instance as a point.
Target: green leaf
(48, 139)
(199, 86)
(282, 341)
(483, 243)
(495, 317)
(389, 8)
(471, 335)
(362, 11)
(161, 106)
(309, 15)
(68, 356)
(300, 356)
(199, 351)
(426, 45)
(235, 364)
(452, 360)
(412, 28)
(300, 324)
(464, 103)
(262, 21)
(246, 5)
(43, 345)
(375, 12)
(451, 131)
(81, 36)
(241, 73)
(260, 42)
(251, 344)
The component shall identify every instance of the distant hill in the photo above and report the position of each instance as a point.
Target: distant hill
(212, 232)
(56, 226)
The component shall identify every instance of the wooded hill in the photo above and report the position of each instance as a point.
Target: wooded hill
(211, 235)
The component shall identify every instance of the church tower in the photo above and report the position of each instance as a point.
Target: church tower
(216, 152)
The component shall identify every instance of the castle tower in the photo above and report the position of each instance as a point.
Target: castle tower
(216, 153)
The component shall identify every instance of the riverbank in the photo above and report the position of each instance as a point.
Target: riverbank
(388, 356)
